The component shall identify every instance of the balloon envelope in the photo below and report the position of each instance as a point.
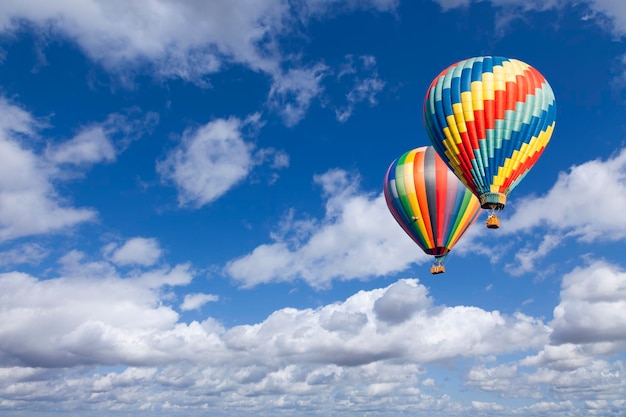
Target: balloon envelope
(490, 118)
(429, 202)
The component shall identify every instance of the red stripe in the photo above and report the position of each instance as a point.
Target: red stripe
(489, 114)
(535, 79)
(479, 121)
(499, 96)
(523, 87)
(465, 158)
(441, 175)
(420, 191)
(511, 96)
(472, 134)
(521, 169)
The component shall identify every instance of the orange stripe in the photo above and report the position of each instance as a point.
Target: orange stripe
(441, 180)
(420, 192)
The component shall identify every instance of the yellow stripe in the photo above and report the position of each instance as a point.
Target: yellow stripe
(468, 107)
(508, 71)
(518, 67)
(457, 109)
(498, 78)
(449, 142)
(477, 95)
(520, 156)
(456, 138)
(487, 83)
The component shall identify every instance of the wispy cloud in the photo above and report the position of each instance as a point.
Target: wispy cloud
(191, 40)
(345, 244)
(366, 84)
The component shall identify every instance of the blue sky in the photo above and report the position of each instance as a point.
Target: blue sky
(192, 219)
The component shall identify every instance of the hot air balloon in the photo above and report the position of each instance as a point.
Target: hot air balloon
(432, 206)
(490, 118)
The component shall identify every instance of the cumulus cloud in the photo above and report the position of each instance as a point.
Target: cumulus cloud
(94, 316)
(592, 307)
(212, 159)
(576, 204)
(580, 362)
(135, 251)
(345, 244)
(375, 344)
(29, 204)
(73, 320)
(574, 208)
(400, 302)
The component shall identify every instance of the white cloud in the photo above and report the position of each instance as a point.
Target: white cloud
(184, 38)
(208, 162)
(197, 300)
(364, 88)
(400, 302)
(356, 348)
(314, 8)
(98, 142)
(608, 14)
(614, 11)
(586, 332)
(574, 208)
(292, 92)
(89, 146)
(592, 307)
(69, 321)
(374, 344)
(190, 39)
(28, 253)
(523, 5)
(346, 244)
(527, 257)
(577, 205)
(135, 251)
(29, 204)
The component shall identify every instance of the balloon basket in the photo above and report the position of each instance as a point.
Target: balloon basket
(493, 222)
(437, 269)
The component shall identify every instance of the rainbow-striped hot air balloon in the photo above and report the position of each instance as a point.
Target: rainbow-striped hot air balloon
(490, 118)
(433, 207)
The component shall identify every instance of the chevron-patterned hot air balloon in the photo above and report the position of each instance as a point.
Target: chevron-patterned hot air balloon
(430, 203)
(490, 118)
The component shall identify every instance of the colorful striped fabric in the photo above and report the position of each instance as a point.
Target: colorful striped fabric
(433, 207)
(490, 118)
